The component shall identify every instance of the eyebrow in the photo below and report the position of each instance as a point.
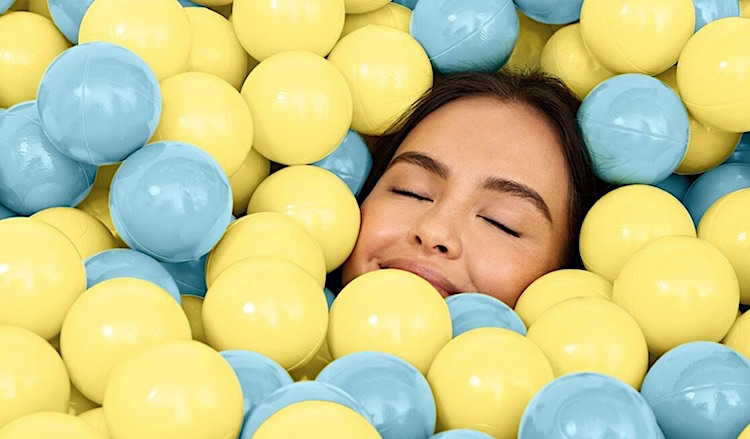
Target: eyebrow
(496, 184)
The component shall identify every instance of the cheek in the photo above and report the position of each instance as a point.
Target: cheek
(376, 231)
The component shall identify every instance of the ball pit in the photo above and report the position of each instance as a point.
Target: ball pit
(87, 233)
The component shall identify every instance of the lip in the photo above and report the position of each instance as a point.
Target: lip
(431, 275)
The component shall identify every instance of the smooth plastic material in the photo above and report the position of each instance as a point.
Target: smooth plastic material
(551, 11)
(87, 233)
(5, 4)
(392, 14)
(741, 154)
(67, 16)
(461, 433)
(351, 161)
(475, 310)
(95, 418)
(50, 424)
(6, 213)
(675, 184)
(738, 337)
(364, 6)
(707, 11)
(714, 184)
(532, 37)
(316, 420)
(190, 276)
(252, 172)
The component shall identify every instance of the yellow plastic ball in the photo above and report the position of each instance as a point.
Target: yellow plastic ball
(745, 8)
(679, 289)
(301, 107)
(29, 44)
(253, 170)
(725, 225)
(738, 337)
(78, 402)
(316, 420)
(637, 36)
(267, 234)
(532, 37)
(40, 7)
(745, 434)
(392, 14)
(310, 371)
(32, 375)
(387, 71)
(392, 311)
(484, 378)
(178, 388)
(712, 74)
(95, 418)
(625, 219)
(273, 298)
(41, 275)
(50, 425)
(556, 286)
(86, 232)
(566, 56)
(105, 174)
(216, 49)
(206, 111)
(214, 3)
(96, 203)
(193, 308)
(157, 30)
(268, 28)
(364, 6)
(317, 199)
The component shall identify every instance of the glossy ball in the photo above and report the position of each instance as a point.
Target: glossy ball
(741, 154)
(193, 308)
(87, 233)
(390, 311)
(738, 337)
(677, 185)
(5, 5)
(351, 161)
(97, 204)
(714, 184)
(50, 424)
(190, 276)
(698, 390)
(392, 14)
(387, 71)
(34, 175)
(245, 180)
(679, 289)
(99, 102)
(612, 229)
(637, 36)
(584, 405)
(393, 391)
(461, 433)
(364, 6)
(475, 310)
(95, 418)
(551, 11)
(316, 420)
(460, 36)
(34, 378)
(42, 276)
(707, 11)
(475, 386)
(171, 200)
(67, 16)
(311, 370)
(216, 49)
(6, 213)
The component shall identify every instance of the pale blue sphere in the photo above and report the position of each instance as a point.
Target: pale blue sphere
(551, 11)
(67, 16)
(475, 310)
(714, 184)
(675, 184)
(351, 161)
(189, 275)
(707, 11)
(461, 433)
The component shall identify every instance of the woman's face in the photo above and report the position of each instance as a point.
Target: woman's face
(475, 200)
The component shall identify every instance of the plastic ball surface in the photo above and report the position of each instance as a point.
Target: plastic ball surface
(532, 37)
(42, 276)
(34, 175)
(67, 16)
(394, 393)
(78, 402)
(6, 213)
(700, 389)
(364, 6)
(679, 289)
(390, 311)
(50, 424)
(461, 433)
(387, 71)
(171, 200)
(636, 129)
(707, 11)
(474, 310)
(677, 185)
(714, 184)
(316, 420)
(32, 374)
(193, 308)
(87, 233)
(738, 337)
(95, 418)
(392, 14)
(741, 154)
(190, 276)
(97, 204)
(5, 4)
(199, 394)
(551, 11)
(252, 172)
(587, 405)
(351, 161)
(637, 36)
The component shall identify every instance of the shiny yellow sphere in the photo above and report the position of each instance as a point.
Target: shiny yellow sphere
(725, 225)
(111, 320)
(277, 300)
(266, 28)
(86, 232)
(625, 219)
(78, 402)
(310, 371)
(178, 388)
(484, 378)
(193, 308)
(532, 37)
(157, 30)
(387, 71)
(206, 111)
(267, 234)
(95, 418)
(29, 44)
(566, 56)
(712, 74)
(392, 14)
(745, 8)
(253, 170)
(738, 337)
(96, 203)
(745, 434)
(32, 375)
(637, 36)
(216, 49)
(105, 174)
(316, 420)
(42, 275)
(679, 289)
(301, 107)
(392, 311)
(50, 425)
(317, 199)
(556, 286)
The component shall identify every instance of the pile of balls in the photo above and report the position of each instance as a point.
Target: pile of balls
(178, 178)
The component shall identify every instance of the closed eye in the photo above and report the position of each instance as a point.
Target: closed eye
(410, 194)
(501, 226)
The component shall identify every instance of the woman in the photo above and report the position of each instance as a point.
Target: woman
(482, 187)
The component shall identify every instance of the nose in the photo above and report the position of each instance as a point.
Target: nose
(437, 231)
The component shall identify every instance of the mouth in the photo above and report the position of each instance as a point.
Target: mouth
(431, 275)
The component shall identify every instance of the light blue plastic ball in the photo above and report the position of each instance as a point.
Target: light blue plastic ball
(713, 185)
(551, 11)
(466, 35)
(408, 3)
(588, 405)
(461, 433)
(741, 153)
(190, 276)
(707, 11)
(67, 16)
(5, 5)
(393, 391)
(474, 310)
(259, 376)
(351, 161)
(675, 184)
(330, 297)
(636, 129)
(34, 175)
(170, 200)
(99, 102)
(6, 213)
(700, 390)
(294, 393)
(122, 262)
